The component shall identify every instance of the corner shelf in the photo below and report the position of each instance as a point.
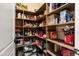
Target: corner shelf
(68, 6)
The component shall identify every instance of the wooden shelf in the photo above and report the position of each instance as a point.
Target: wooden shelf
(35, 27)
(18, 26)
(22, 45)
(19, 19)
(37, 20)
(19, 11)
(68, 6)
(34, 36)
(69, 23)
(61, 44)
(25, 12)
(29, 13)
(51, 53)
(17, 37)
(25, 19)
(40, 11)
(27, 36)
(30, 36)
(29, 27)
(32, 21)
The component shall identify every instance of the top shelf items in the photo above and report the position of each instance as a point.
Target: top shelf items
(37, 16)
(67, 6)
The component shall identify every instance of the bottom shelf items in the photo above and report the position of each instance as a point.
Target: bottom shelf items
(51, 53)
(57, 50)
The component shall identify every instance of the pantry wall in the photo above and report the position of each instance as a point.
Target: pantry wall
(45, 31)
(7, 29)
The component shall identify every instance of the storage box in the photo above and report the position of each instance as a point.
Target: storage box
(65, 16)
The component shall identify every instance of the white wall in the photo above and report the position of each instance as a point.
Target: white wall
(7, 19)
(77, 26)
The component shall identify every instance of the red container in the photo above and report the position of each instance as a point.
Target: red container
(53, 35)
(41, 34)
(70, 39)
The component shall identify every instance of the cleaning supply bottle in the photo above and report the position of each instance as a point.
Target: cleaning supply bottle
(30, 33)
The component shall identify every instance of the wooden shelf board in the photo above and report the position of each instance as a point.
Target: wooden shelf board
(29, 13)
(34, 36)
(31, 21)
(37, 20)
(19, 11)
(51, 53)
(35, 27)
(22, 45)
(19, 26)
(65, 6)
(21, 36)
(69, 23)
(30, 36)
(61, 44)
(19, 19)
(25, 12)
(29, 27)
(24, 19)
